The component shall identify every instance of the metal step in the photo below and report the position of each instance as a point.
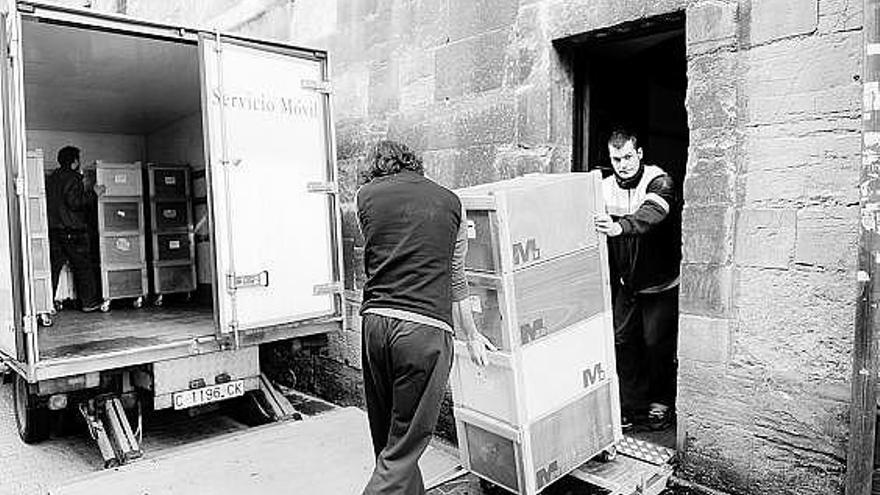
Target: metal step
(277, 404)
(108, 425)
(640, 468)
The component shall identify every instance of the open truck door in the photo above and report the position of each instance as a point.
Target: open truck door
(18, 337)
(19, 208)
(11, 344)
(271, 180)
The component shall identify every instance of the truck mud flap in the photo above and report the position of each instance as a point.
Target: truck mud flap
(639, 468)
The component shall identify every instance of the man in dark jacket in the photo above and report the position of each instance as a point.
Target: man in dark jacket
(643, 225)
(415, 241)
(68, 199)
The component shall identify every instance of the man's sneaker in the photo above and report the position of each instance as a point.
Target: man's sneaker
(660, 418)
(626, 423)
(91, 309)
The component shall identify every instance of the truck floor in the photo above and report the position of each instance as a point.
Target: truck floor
(77, 334)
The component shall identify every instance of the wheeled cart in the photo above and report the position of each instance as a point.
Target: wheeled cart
(38, 230)
(121, 233)
(548, 400)
(172, 238)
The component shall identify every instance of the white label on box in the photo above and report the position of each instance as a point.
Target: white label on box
(123, 244)
(120, 213)
(170, 180)
(120, 178)
(169, 213)
(471, 229)
(476, 304)
(174, 245)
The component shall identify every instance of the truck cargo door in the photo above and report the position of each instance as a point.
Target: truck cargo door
(271, 177)
(13, 258)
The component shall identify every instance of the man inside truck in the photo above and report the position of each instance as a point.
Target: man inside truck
(415, 242)
(643, 225)
(69, 196)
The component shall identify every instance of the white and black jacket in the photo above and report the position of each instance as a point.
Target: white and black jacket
(646, 256)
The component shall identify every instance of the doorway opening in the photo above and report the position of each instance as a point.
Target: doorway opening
(634, 76)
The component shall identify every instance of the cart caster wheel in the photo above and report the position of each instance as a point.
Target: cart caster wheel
(159, 301)
(608, 454)
(188, 297)
(45, 320)
(105, 306)
(138, 303)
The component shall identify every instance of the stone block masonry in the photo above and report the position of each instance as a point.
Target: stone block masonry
(483, 90)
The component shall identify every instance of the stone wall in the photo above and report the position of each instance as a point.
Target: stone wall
(770, 224)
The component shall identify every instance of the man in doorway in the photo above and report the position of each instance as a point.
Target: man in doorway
(643, 225)
(415, 241)
(68, 197)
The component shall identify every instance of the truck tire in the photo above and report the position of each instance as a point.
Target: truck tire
(32, 419)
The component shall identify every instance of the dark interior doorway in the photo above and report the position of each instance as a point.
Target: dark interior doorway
(633, 75)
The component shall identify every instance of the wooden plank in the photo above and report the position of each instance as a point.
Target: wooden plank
(549, 220)
(574, 434)
(490, 390)
(557, 294)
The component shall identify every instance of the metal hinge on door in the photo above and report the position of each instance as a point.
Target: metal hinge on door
(235, 281)
(328, 288)
(19, 186)
(28, 323)
(323, 187)
(319, 86)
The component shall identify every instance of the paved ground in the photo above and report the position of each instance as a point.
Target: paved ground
(35, 469)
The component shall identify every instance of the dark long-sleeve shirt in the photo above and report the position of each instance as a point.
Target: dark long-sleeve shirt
(67, 201)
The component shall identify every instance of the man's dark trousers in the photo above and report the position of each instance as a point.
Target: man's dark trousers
(74, 247)
(646, 344)
(406, 367)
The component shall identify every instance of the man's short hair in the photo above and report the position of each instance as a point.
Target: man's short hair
(388, 157)
(67, 155)
(620, 136)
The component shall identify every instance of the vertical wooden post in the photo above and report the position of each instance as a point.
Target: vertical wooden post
(863, 410)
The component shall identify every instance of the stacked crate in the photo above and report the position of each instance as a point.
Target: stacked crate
(121, 233)
(547, 402)
(173, 264)
(38, 234)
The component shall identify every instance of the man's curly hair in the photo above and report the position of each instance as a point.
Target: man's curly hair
(388, 157)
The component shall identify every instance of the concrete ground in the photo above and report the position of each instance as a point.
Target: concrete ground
(62, 460)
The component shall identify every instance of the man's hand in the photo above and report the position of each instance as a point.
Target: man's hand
(100, 189)
(605, 225)
(478, 348)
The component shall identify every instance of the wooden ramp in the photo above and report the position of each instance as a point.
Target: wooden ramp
(640, 468)
(329, 453)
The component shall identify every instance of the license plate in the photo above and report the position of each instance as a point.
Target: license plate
(206, 395)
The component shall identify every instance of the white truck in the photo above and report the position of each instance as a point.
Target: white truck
(252, 120)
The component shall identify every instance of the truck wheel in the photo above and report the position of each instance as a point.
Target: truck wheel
(32, 420)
